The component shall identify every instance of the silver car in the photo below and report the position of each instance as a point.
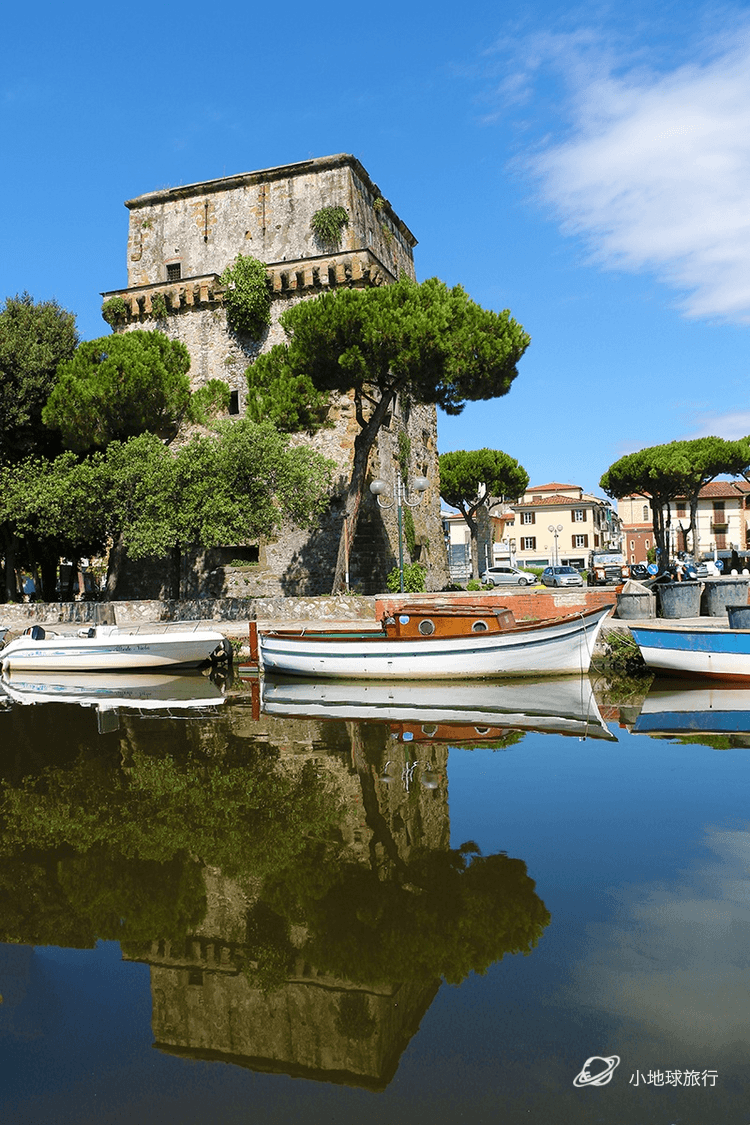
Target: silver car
(561, 576)
(508, 576)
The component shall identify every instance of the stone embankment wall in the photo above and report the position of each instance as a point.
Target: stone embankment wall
(225, 610)
(290, 610)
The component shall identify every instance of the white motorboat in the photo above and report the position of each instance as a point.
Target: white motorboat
(107, 648)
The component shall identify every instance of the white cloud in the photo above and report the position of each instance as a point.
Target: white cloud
(676, 959)
(655, 172)
(730, 426)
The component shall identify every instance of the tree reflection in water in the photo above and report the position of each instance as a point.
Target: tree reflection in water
(272, 872)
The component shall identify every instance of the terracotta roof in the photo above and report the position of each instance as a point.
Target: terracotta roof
(717, 488)
(546, 501)
(725, 488)
(547, 487)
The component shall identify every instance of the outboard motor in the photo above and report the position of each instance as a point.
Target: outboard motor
(223, 653)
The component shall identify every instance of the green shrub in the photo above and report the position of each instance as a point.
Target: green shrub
(159, 306)
(414, 579)
(247, 296)
(115, 311)
(623, 655)
(327, 225)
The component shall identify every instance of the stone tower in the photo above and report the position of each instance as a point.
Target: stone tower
(180, 241)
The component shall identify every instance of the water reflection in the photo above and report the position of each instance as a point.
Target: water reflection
(675, 960)
(455, 712)
(108, 693)
(297, 902)
(696, 709)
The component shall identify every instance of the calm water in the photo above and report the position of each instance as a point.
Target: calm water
(225, 915)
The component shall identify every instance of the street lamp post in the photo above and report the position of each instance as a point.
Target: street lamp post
(556, 531)
(378, 488)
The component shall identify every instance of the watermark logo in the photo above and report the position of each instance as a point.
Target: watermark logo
(597, 1071)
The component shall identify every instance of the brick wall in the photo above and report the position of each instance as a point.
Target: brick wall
(536, 604)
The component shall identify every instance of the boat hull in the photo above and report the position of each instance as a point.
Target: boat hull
(114, 652)
(723, 653)
(552, 648)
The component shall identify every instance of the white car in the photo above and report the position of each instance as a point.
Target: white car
(508, 576)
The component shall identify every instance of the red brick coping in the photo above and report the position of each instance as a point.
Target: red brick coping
(525, 605)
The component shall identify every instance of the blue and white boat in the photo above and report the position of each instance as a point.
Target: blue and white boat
(695, 651)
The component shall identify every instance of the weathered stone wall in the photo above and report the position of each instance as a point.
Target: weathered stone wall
(537, 605)
(201, 228)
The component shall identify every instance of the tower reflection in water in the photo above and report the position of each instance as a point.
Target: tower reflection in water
(290, 882)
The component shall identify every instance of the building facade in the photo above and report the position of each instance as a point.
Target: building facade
(180, 241)
(557, 524)
(722, 522)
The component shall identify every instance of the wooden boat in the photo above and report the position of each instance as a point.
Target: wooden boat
(436, 642)
(105, 648)
(695, 651)
(427, 713)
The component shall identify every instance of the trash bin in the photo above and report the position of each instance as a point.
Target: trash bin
(723, 592)
(680, 599)
(739, 616)
(635, 601)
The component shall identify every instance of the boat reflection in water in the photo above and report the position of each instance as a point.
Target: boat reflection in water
(109, 692)
(685, 707)
(455, 712)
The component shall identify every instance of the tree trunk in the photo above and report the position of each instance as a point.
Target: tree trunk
(693, 530)
(474, 541)
(11, 588)
(114, 567)
(363, 444)
(661, 531)
(175, 567)
(48, 572)
(376, 822)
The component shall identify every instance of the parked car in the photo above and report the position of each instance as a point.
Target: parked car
(508, 576)
(607, 568)
(639, 571)
(561, 576)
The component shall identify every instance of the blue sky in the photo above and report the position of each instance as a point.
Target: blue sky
(586, 167)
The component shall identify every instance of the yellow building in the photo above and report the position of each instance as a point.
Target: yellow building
(557, 524)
